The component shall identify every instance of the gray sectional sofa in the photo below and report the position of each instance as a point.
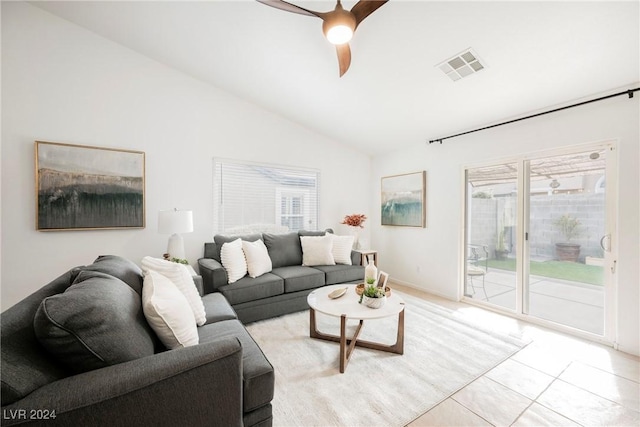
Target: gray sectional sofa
(111, 370)
(284, 289)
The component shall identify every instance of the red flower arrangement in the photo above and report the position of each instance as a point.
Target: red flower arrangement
(355, 220)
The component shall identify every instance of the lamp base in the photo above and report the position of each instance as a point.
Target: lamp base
(175, 248)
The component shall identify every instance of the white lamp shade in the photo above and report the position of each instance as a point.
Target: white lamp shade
(175, 222)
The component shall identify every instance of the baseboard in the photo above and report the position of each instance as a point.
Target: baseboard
(422, 289)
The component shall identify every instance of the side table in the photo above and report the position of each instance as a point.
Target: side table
(365, 254)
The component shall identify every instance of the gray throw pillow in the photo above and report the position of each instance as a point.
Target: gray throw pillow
(96, 322)
(284, 249)
(121, 268)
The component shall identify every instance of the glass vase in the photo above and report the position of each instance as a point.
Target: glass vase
(356, 237)
(370, 272)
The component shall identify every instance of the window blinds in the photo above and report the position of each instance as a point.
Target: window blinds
(257, 197)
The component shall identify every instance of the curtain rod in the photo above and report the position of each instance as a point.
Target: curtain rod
(626, 92)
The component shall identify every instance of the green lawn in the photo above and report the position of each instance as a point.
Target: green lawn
(564, 270)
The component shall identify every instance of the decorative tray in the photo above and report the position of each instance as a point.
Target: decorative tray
(337, 293)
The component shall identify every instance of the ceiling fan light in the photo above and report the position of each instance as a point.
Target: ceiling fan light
(339, 25)
(339, 34)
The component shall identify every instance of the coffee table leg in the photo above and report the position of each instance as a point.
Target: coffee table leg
(312, 323)
(344, 358)
(346, 352)
(397, 347)
(315, 333)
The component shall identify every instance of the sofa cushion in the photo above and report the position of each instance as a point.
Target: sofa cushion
(179, 276)
(316, 250)
(249, 288)
(211, 250)
(122, 268)
(217, 308)
(284, 249)
(314, 233)
(300, 278)
(341, 273)
(168, 312)
(96, 322)
(257, 373)
(257, 256)
(220, 240)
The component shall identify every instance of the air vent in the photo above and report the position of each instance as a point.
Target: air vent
(462, 65)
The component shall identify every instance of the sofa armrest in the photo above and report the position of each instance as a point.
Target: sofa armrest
(197, 280)
(199, 385)
(213, 275)
(356, 258)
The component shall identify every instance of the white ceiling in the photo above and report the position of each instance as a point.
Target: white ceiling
(537, 55)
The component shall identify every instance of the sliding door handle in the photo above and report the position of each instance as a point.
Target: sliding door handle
(606, 247)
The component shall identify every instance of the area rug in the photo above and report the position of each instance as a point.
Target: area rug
(443, 352)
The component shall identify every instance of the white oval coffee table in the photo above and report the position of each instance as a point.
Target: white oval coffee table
(347, 307)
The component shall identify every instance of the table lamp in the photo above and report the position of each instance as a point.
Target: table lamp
(175, 222)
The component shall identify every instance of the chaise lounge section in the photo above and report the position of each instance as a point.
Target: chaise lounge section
(112, 370)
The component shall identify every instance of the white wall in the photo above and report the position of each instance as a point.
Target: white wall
(61, 83)
(428, 258)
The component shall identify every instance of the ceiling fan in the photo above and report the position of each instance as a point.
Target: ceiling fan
(338, 25)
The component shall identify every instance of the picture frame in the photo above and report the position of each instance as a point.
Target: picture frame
(403, 200)
(383, 279)
(80, 187)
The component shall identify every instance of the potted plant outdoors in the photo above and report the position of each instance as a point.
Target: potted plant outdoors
(373, 296)
(569, 228)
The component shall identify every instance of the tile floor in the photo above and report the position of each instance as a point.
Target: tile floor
(557, 380)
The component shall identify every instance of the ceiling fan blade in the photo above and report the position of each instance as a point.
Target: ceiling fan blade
(283, 5)
(344, 57)
(364, 8)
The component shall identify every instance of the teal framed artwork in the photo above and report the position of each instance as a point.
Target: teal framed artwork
(403, 200)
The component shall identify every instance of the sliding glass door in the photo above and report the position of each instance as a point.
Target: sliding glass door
(567, 239)
(538, 237)
(492, 208)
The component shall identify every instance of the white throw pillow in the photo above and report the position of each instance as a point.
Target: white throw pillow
(232, 257)
(168, 312)
(257, 256)
(341, 249)
(183, 280)
(316, 250)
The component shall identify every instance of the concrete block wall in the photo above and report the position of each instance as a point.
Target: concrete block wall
(487, 215)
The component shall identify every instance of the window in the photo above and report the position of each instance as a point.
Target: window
(257, 197)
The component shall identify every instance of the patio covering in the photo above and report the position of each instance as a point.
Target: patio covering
(556, 167)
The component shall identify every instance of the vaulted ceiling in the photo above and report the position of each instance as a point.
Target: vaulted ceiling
(536, 55)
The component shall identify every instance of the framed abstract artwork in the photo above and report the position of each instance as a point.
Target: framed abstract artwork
(83, 188)
(403, 200)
